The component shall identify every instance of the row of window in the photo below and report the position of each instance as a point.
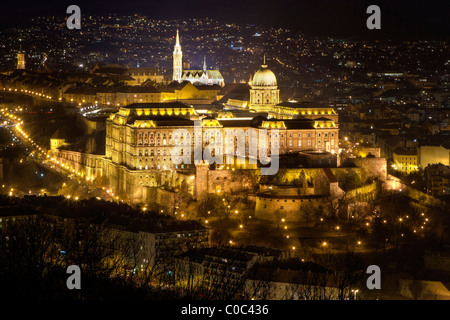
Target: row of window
(232, 140)
(217, 133)
(163, 167)
(285, 200)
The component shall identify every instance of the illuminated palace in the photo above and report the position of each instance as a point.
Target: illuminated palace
(139, 138)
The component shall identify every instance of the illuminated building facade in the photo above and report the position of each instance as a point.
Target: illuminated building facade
(405, 160)
(139, 139)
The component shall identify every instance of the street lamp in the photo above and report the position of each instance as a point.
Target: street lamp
(355, 292)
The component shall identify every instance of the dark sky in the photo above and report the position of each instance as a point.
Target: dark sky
(341, 18)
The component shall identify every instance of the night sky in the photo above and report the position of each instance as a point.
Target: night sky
(338, 18)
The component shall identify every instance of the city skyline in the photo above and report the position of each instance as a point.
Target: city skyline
(225, 151)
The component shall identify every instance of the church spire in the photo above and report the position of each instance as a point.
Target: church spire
(204, 64)
(177, 60)
(177, 43)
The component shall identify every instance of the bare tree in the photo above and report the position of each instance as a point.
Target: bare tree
(229, 203)
(210, 205)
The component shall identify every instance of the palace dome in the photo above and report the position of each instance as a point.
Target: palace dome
(264, 77)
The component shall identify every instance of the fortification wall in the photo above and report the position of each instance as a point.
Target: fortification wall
(286, 207)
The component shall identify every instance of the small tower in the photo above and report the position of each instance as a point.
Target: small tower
(201, 179)
(177, 60)
(20, 59)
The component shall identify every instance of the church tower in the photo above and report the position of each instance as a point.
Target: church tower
(205, 69)
(177, 60)
(20, 59)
